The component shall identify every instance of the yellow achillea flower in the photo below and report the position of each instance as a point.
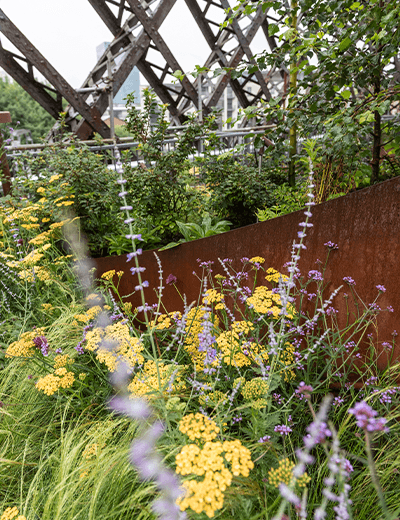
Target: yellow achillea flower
(209, 462)
(288, 359)
(47, 307)
(127, 307)
(213, 399)
(57, 225)
(24, 347)
(65, 203)
(52, 382)
(264, 301)
(283, 474)
(145, 382)
(235, 350)
(273, 275)
(40, 239)
(92, 297)
(212, 296)
(194, 324)
(62, 360)
(108, 275)
(40, 190)
(198, 427)
(165, 321)
(12, 513)
(89, 315)
(30, 226)
(127, 349)
(255, 391)
(257, 259)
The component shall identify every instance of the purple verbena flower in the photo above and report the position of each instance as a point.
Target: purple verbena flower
(283, 429)
(366, 418)
(171, 279)
(41, 342)
(315, 275)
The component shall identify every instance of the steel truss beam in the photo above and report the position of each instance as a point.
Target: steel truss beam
(34, 58)
(140, 34)
(135, 26)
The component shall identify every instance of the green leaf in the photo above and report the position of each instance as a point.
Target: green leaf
(179, 74)
(272, 29)
(345, 94)
(366, 117)
(345, 44)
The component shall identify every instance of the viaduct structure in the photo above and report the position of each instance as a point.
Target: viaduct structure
(135, 26)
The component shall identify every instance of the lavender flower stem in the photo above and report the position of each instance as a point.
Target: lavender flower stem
(374, 476)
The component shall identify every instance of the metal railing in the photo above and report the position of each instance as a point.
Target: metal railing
(238, 141)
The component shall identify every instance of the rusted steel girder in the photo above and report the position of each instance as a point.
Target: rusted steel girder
(132, 49)
(181, 98)
(39, 92)
(35, 59)
(163, 48)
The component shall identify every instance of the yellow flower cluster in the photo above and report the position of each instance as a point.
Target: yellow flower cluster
(94, 298)
(288, 360)
(213, 296)
(89, 315)
(41, 238)
(114, 344)
(236, 351)
(284, 474)
(194, 324)
(198, 427)
(108, 275)
(210, 462)
(55, 177)
(257, 259)
(52, 382)
(273, 275)
(62, 361)
(145, 383)
(36, 272)
(264, 301)
(165, 321)
(24, 347)
(12, 513)
(213, 399)
(255, 391)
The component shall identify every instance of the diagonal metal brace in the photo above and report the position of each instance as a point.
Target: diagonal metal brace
(35, 58)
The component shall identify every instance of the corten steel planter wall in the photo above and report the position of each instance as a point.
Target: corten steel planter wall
(365, 225)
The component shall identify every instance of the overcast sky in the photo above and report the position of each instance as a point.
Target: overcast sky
(67, 32)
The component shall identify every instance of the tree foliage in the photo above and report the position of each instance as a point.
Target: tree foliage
(345, 56)
(23, 108)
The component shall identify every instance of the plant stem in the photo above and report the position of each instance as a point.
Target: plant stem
(374, 476)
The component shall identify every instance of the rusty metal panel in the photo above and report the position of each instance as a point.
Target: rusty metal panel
(368, 250)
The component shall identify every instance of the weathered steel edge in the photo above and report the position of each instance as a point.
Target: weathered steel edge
(364, 224)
